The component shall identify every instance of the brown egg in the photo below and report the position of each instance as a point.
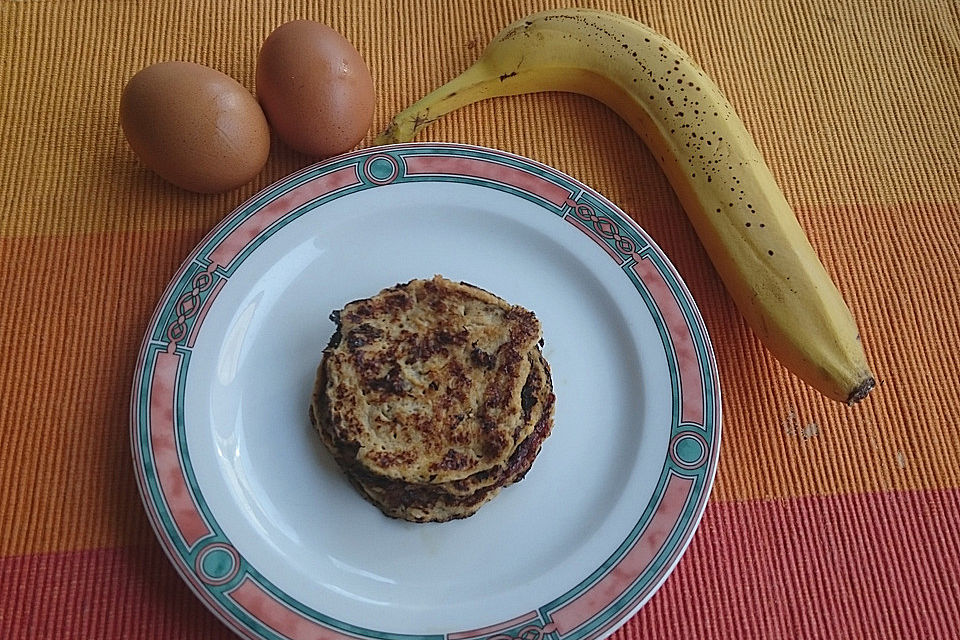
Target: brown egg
(315, 88)
(194, 126)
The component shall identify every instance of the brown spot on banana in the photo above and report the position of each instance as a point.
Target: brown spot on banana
(739, 212)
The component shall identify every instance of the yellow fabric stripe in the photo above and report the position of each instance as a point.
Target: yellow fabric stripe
(834, 94)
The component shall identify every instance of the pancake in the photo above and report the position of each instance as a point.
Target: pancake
(423, 381)
(440, 502)
(432, 396)
(425, 503)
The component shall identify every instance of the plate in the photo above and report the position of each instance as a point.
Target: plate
(254, 514)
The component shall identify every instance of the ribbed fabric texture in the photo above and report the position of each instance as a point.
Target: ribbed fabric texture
(826, 521)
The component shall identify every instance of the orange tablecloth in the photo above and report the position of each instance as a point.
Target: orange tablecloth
(826, 521)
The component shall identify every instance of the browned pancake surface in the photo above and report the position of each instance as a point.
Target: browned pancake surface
(462, 498)
(424, 381)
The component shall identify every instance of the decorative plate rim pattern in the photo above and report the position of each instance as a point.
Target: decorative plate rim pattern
(250, 604)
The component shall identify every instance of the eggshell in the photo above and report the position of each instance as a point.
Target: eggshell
(315, 88)
(194, 126)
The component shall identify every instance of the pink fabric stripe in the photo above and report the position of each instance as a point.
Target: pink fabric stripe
(848, 567)
(133, 593)
(858, 567)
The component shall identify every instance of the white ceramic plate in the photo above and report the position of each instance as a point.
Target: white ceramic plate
(255, 515)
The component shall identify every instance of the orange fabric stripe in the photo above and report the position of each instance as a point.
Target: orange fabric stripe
(900, 280)
(78, 306)
(75, 310)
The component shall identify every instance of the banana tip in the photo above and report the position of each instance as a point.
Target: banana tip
(861, 391)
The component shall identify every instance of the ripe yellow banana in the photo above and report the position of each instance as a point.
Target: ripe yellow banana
(742, 218)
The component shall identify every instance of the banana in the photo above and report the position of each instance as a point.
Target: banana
(750, 233)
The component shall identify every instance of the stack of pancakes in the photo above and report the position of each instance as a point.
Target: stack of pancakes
(432, 396)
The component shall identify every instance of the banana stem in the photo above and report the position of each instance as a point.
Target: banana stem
(459, 92)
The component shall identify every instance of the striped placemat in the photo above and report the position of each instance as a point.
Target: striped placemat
(826, 521)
